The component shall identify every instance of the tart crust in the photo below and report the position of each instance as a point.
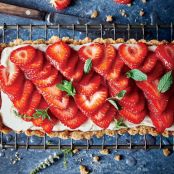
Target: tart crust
(78, 135)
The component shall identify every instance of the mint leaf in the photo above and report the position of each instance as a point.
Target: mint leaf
(67, 87)
(120, 95)
(43, 113)
(136, 75)
(165, 82)
(87, 66)
(120, 123)
(114, 103)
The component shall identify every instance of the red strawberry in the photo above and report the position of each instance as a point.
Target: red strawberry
(48, 125)
(92, 103)
(123, 1)
(165, 53)
(23, 102)
(105, 122)
(58, 53)
(104, 65)
(133, 54)
(89, 84)
(94, 51)
(149, 63)
(23, 55)
(48, 81)
(60, 4)
(132, 117)
(36, 65)
(38, 121)
(43, 104)
(115, 70)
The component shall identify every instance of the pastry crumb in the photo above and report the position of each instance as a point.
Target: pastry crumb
(83, 170)
(104, 151)
(117, 157)
(141, 13)
(144, 1)
(129, 5)
(75, 151)
(94, 14)
(123, 13)
(109, 18)
(166, 152)
(96, 159)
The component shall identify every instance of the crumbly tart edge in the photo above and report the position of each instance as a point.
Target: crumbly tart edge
(78, 135)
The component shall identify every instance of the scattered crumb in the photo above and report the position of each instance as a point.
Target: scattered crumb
(117, 157)
(96, 159)
(94, 14)
(75, 151)
(166, 152)
(129, 5)
(83, 170)
(123, 13)
(104, 152)
(144, 1)
(109, 18)
(141, 13)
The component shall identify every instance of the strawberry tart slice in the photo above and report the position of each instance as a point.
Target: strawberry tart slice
(79, 89)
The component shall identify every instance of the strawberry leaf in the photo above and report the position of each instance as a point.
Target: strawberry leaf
(114, 103)
(120, 95)
(165, 82)
(120, 123)
(136, 75)
(67, 87)
(87, 66)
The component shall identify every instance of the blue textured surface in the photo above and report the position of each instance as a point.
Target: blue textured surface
(153, 161)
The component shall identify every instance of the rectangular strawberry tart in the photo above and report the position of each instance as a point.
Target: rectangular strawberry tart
(79, 89)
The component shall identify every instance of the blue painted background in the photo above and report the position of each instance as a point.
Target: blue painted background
(153, 161)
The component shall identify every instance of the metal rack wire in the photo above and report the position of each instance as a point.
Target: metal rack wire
(115, 31)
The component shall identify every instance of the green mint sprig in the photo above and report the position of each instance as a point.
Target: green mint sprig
(87, 66)
(136, 75)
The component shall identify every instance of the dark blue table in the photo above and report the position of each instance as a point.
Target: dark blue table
(141, 161)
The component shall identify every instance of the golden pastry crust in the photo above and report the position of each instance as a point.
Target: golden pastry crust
(78, 135)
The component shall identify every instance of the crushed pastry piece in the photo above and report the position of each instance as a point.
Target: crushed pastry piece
(123, 13)
(129, 5)
(166, 152)
(109, 18)
(94, 14)
(117, 157)
(75, 151)
(144, 1)
(141, 13)
(83, 170)
(96, 159)
(104, 151)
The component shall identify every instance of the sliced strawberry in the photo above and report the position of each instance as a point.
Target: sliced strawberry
(89, 84)
(115, 70)
(48, 125)
(157, 122)
(123, 1)
(133, 54)
(37, 121)
(23, 55)
(58, 53)
(104, 65)
(22, 103)
(149, 62)
(60, 4)
(165, 53)
(93, 51)
(132, 117)
(36, 65)
(105, 122)
(43, 104)
(92, 103)
(48, 81)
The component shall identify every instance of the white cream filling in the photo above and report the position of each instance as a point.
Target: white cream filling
(12, 121)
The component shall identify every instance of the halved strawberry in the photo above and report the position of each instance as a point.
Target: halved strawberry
(23, 55)
(22, 103)
(149, 62)
(94, 51)
(133, 54)
(165, 52)
(60, 4)
(104, 65)
(132, 117)
(36, 65)
(115, 70)
(105, 122)
(48, 81)
(58, 53)
(123, 1)
(89, 104)
(37, 121)
(89, 84)
(48, 125)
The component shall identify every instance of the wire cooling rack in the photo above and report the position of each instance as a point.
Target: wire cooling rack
(33, 32)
